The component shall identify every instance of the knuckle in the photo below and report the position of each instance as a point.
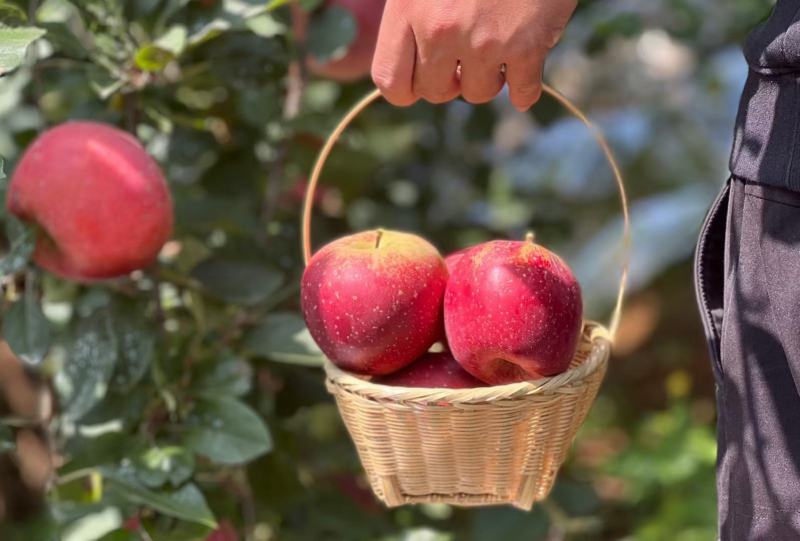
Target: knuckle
(549, 36)
(441, 28)
(385, 79)
(483, 44)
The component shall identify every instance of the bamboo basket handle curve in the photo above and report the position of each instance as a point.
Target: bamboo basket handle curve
(316, 172)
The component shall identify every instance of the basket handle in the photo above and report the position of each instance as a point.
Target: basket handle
(568, 105)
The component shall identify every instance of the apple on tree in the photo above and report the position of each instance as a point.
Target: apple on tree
(99, 201)
(373, 300)
(432, 370)
(512, 311)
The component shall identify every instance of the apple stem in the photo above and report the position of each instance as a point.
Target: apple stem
(378, 236)
(530, 237)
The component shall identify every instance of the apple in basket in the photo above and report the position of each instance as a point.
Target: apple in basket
(512, 311)
(432, 370)
(373, 300)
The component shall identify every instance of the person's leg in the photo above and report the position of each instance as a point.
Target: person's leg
(754, 329)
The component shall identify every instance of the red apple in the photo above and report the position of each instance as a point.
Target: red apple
(373, 300)
(432, 370)
(357, 61)
(512, 311)
(453, 258)
(99, 200)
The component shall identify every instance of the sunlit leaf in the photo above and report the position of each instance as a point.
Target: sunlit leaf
(13, 44)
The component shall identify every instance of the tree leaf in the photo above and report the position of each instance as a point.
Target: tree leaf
(103, 82)
(91, 358)
(283, 337)
(238, 282)
(330, 34)
(22, 240)
(137, 345)
(173, 40)
(157, 465)
(266, 26)
(11, 15)
(7, 442)
(229, 375)
(13, 44)
(227, 431)
(26, 329)
(186, 503)
(93, 525)
(152, 58)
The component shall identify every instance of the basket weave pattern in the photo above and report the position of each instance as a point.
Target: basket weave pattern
(490, 445)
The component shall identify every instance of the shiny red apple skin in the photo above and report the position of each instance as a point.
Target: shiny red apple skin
(100, 201)
(357, 61)
(373, 301)
(512, 311)
(433, 371)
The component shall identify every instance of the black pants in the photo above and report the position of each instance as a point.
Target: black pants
(747, 274)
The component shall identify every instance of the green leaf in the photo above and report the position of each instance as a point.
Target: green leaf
(91, 358)
(158, 465)
(136, 348)
(168, 47)
(310, 5)
(173, 40)
(13, 44)
(283, 337)
(7, 442)
(227, 431)
(2, 171)
(93, 525)
(229, 375)
(26, 329)
(307, 5)
(22, 241)
(103, 82)
(186, 503)
(11, 15)
(152, 58)
(330, 34)
(266, 26)
(238, 282)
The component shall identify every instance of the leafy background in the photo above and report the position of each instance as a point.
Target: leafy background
(189, 396)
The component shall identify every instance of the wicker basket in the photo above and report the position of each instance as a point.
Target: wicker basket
(471, 447)
(482, 446)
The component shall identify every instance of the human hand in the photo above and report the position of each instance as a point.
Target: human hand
(438, 49)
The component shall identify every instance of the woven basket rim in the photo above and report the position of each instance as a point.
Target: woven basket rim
(595, 337)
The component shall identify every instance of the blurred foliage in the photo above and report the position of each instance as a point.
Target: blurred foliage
(189, 394)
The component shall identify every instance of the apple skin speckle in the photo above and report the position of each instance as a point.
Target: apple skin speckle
(373, 300)
(513, 311)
